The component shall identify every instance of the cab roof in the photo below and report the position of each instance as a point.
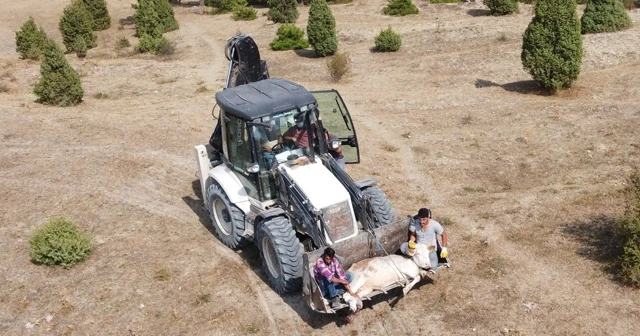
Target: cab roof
(263, 98)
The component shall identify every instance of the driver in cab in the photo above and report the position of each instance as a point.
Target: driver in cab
(298, 133)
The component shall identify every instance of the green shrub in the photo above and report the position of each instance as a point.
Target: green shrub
(400, 7)
(242, 11)
(76, 22)
(502, 7)
(289, 37)
(166, 17)
(283, 11)
(123, 43)
(146, 19)
(80, 47)
(629, 233)
(222, 6)
(59, 242)
(388, 40)
(157, 45)
(604, 16)
(321, 29)
(101, 19)
(338, 66)
(30, 40)
(444, 1)
(552, 44)
(631, 4)
(59, 83)
(244, 14)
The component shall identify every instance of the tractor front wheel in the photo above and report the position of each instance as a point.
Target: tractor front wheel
(227, 219)
(281, 254)
(379, 206)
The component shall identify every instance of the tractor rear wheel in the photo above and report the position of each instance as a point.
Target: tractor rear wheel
(227, 219)
(379, 206)
(281, 254)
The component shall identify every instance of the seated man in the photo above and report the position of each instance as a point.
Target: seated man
(331, 278)
(263, 138)
(298, 133)
(424, 230)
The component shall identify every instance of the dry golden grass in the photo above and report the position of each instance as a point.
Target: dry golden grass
(450, 122)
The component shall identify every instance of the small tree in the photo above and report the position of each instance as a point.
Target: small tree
(167, 19)
(388, 40)
(338, 66)
(283, 11)
(242, 11)
(147, 19)
(158, 45)
(99, 13)
(59, 83)
(289, 37)
(30, 40)
(59, 242)
(552, 44)
(400, 7)
(502, 7)
(321, 29)
(76, 22)
(604, 16)
(629, 233)
(80, 47)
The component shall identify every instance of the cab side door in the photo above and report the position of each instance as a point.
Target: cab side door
(337, 120)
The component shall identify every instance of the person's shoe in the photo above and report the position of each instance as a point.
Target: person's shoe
(335, 302)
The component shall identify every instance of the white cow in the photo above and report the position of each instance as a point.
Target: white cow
(381, 272)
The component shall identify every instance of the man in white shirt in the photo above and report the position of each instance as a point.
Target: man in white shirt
(424, 230)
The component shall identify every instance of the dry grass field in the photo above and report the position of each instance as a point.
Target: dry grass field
(530, 183)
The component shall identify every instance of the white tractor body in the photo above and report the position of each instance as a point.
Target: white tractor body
(327, 195)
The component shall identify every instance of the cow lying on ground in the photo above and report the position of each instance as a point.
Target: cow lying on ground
(381, 272)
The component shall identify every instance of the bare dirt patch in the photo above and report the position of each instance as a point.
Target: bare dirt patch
(451, 121)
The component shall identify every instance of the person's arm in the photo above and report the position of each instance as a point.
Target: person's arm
(412, 233)
(412, 236)
(445, 241)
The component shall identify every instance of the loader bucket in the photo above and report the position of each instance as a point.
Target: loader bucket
(360, 247)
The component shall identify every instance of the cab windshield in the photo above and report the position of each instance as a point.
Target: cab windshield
(279, 136)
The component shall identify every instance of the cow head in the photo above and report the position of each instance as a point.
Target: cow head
(421, 257)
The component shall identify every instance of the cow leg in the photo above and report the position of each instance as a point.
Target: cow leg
(408, 287)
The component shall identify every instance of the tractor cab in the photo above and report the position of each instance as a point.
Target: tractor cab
(259, 121)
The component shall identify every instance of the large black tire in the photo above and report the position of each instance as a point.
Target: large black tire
(281, 254)
(380, 206)
(227, 219)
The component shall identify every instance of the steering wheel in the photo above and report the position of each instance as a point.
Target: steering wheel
(277, 147)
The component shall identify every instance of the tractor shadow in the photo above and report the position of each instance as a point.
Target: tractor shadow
(251, 258)
(522, 87)
(597, 239)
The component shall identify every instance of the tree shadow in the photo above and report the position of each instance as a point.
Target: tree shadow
(598, 239)
(306, 53)
(478, 12)
(251, 257)
(184, 3)
(128, 21)
(523, 87)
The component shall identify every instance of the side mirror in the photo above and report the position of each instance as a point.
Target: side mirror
(254, 168)
(352, 141)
